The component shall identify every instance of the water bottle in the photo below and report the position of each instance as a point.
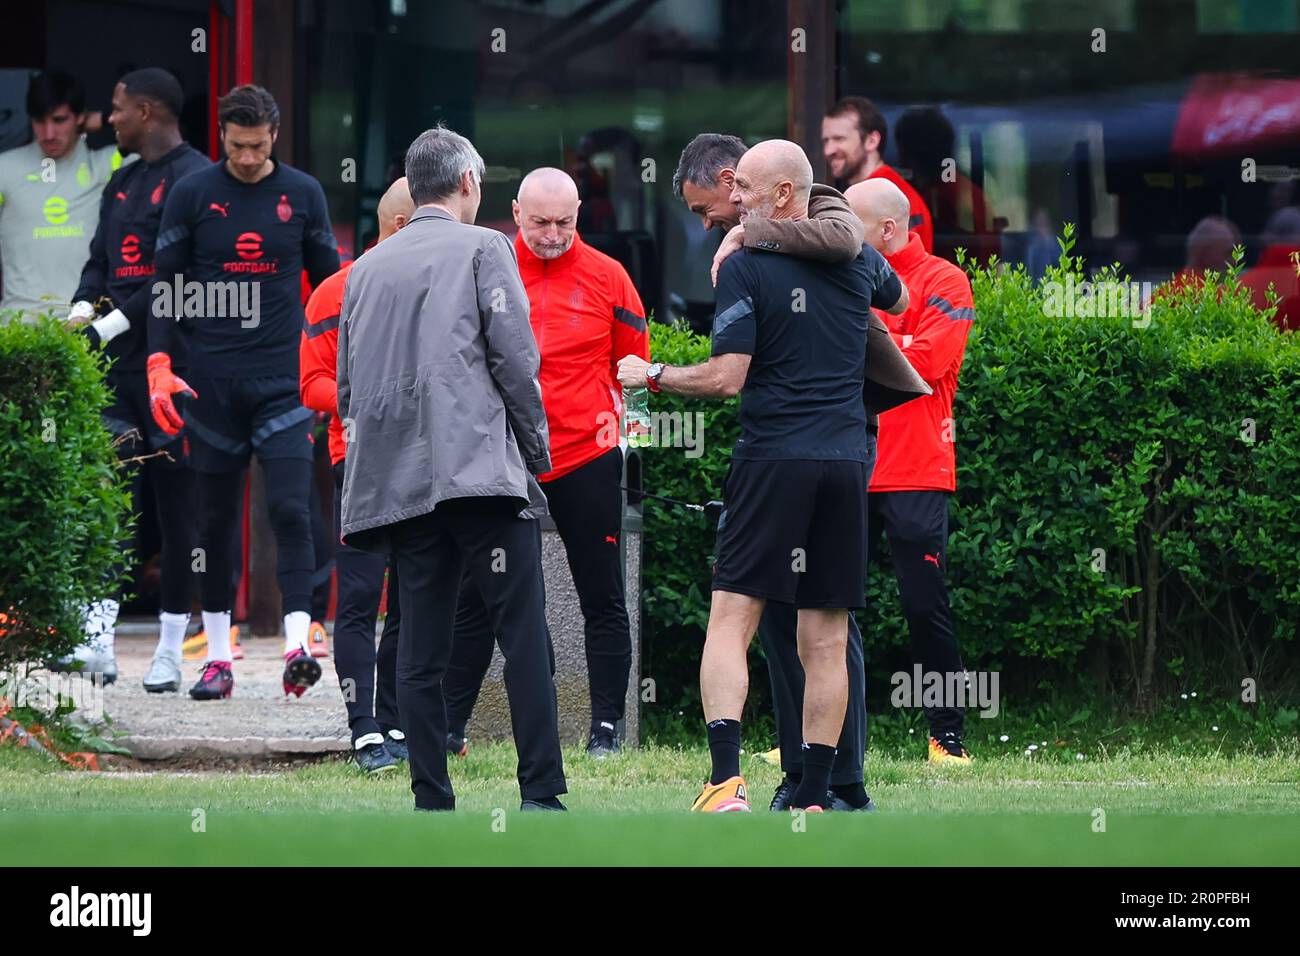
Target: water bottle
(636, 417)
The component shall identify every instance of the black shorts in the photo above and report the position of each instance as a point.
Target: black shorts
(234, 417)
(130, 422)
(794, 531)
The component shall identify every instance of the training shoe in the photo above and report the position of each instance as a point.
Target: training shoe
(457, 746)
(318, 642)
(90, 661)
(301, 671)
(948, 749)
(374, 758)
(217, 682)
(601, 745)
(784, 791)
(196, 648)
(726, 797)
(164, 673)
(836, 803)
(397, 747)
(530, 806)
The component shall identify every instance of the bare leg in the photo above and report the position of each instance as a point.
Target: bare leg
(724, 668)
(823, 645)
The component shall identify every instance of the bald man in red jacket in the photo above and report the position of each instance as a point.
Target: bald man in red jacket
(585, 315)
(916, 462)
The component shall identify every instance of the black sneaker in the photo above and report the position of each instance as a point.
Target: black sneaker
(397, 747)
(784, 792)
(456, 745)
(374, 758)
(602, 742)
(531, 806)
(837, 803)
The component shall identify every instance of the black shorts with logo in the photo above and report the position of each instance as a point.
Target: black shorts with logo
(233, 417)
(794, 531)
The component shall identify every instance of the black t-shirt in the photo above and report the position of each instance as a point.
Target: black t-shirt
(805, 324)
(121, 263)
(220, 231)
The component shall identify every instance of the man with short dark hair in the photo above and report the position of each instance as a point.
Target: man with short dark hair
(234, 241)
(114, 297)
(438, 391)
(49, 197)
(854, 133)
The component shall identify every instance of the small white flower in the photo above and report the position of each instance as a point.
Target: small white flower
(1004, 738)
(1184, 696)
(1078, 756)
(1033, 747)
(1215, 729)
(1193, 693)
(1044, 743)
(912, 730)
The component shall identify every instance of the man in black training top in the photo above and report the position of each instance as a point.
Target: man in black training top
(114, 296)
(792, 334)
(235, 239)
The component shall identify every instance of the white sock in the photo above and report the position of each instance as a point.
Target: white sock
(171, 633)
(217, 625)
(101, 625)
(296, 626)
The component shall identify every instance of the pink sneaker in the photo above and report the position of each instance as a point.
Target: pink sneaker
(217, 682)
(301, 671)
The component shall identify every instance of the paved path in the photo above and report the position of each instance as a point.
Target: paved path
(257, 721)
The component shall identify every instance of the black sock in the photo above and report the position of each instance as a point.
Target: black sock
(811, 792)
(724, 748)
(854, 794)
(602, 728)
(455, 731)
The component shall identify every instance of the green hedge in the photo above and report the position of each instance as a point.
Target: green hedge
(1127, 520)
(63, 508)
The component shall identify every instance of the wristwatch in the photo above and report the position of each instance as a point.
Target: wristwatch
(652, 375)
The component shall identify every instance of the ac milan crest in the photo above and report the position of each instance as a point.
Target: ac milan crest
(283, 209)
(156, 196)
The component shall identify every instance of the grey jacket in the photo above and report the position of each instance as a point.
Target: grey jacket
(437, 377)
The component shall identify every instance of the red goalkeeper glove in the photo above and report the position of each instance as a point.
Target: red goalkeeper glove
(163, 384)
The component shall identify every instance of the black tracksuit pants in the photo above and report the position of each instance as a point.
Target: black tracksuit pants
(431, 553)
(361, 583)
(220, 497)
(916, 524)
(587, 507)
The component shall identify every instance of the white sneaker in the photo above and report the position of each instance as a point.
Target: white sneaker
(164, 673)
(93, 660)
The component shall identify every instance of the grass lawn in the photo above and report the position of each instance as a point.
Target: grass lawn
(1160, 808)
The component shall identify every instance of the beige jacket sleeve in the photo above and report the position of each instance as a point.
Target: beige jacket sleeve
(831, 233)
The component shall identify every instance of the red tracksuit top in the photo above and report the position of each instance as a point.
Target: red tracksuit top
(915, 448)
(318, 356)
(586, 315)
